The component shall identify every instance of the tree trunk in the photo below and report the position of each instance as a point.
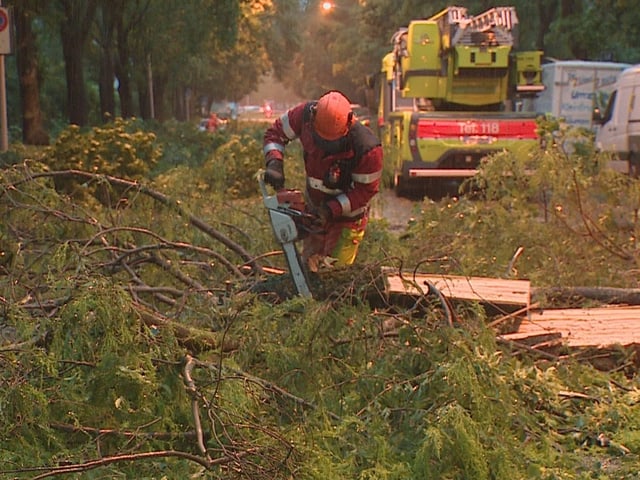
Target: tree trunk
(128, 25)
(33, 132)
(107, 97)
(179, 104)
(159, 88)
(123, 72)
(573, 295)
(106, 28)
(79, 15)
(124, 91)
(159, 91)
(77, 107)
(143, 100)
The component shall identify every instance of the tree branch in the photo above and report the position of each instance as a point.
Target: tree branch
(163, 199)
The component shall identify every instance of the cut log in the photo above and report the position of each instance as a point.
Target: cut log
(583, 327)
(609, 295)
(596, 327)
(481, 289)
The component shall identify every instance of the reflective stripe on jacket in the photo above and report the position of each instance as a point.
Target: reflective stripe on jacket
(362, 157)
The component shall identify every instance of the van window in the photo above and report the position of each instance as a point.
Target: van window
(608, 113)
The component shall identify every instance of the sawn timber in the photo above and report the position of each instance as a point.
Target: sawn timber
(600, 326)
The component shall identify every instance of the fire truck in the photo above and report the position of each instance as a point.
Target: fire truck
(453, 91)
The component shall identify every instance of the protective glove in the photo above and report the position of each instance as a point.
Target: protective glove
(274, 174)
(323, 215)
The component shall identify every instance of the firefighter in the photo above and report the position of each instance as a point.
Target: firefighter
(212, 123)
(343, 166)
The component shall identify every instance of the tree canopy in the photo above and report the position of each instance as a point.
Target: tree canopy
(167, 59)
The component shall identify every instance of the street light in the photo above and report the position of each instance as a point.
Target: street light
(327, 6)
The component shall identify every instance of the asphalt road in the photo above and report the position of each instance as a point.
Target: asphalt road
(396, 210)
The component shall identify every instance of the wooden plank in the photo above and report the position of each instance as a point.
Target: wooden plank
(481, 289)
(584, 327)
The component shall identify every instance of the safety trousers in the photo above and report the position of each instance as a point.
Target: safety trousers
(339, 241)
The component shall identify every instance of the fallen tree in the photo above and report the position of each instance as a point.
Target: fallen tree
(137, 343)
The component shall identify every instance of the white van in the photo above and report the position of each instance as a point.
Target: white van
(619, 133)
(573, 88)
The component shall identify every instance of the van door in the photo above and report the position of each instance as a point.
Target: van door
(613, 136)
(633, 132)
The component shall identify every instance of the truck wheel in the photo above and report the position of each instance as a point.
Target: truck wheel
(634, 165)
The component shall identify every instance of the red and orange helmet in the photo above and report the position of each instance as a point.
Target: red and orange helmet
(333, 116)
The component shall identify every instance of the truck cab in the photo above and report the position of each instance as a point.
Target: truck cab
(619, 132)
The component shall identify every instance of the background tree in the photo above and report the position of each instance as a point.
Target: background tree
(216, 50)
(108, 16)
(33, 132)
(75, 21)
(240, 62)
(599, 30)
(284, 32)
(173, 34)
(133, 13)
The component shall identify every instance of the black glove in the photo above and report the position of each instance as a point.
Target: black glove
(322, 214)
(274, 175)
(325, 213)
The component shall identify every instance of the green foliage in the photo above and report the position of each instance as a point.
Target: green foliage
(97, 362)
(103, 310)
(14, 155)
(233, 167)
(227, 56)
(389, 167)
(184, 145)
(443, 403)
(119, 148)
(453, 447)
(229, 170)
(574, 207)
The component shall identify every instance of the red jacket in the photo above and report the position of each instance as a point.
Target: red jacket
(360, 163)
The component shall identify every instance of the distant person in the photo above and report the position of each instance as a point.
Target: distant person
(212, 124)
(268, 110)
(343, 165)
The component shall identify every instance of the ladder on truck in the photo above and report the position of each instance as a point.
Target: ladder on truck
(493, 27)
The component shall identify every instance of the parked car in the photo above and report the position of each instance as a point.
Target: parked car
(249, 109)
(224, 110)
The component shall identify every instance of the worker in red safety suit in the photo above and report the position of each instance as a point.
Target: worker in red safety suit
(343, 165)
(212, 123)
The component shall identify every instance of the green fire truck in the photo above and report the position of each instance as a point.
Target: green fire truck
(451, 92)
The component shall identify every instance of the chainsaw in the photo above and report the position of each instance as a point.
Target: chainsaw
(290, 222)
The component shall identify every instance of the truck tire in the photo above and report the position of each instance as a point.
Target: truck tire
(400, 185)
(634, 164)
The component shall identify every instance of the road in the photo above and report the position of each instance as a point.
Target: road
(396, 210)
